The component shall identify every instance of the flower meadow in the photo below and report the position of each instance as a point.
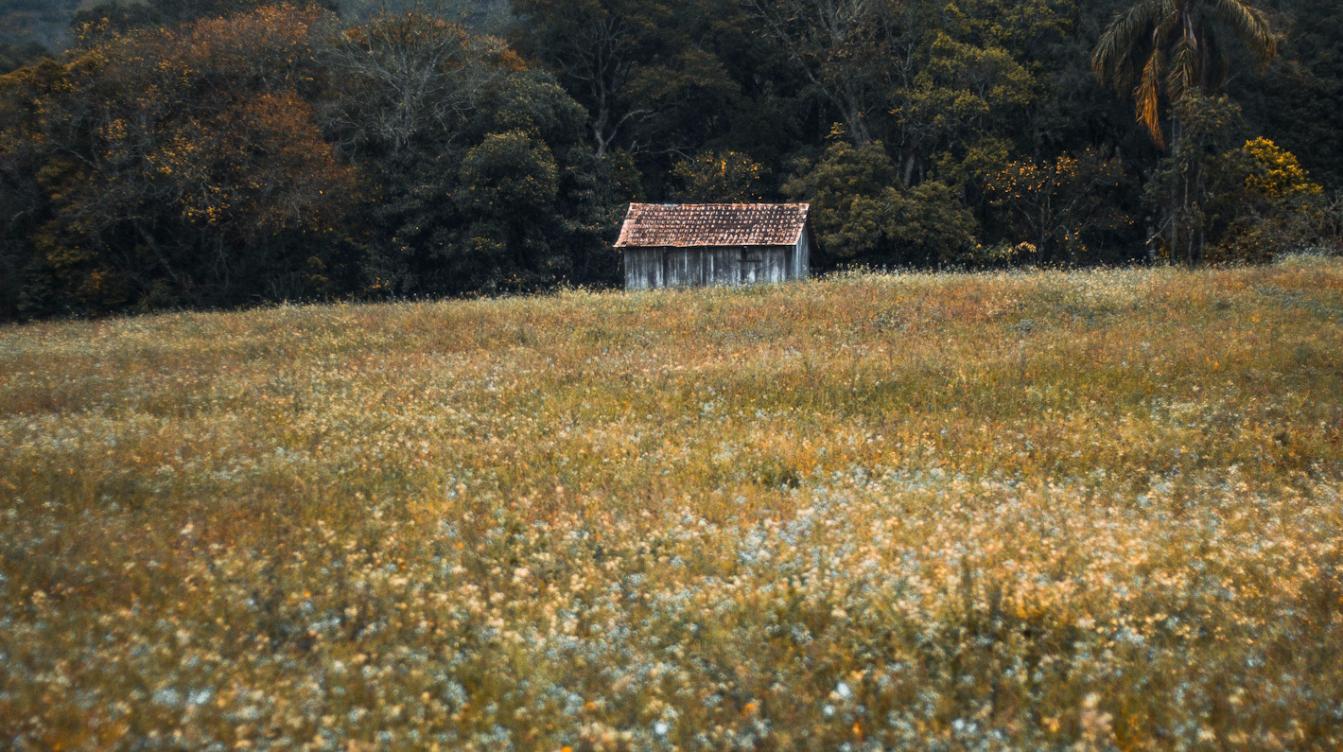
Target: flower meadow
(1055, 511)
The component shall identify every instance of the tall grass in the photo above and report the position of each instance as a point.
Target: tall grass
(1020, 511)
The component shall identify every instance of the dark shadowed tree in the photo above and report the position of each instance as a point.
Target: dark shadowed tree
(464, 147)
(1167, 51)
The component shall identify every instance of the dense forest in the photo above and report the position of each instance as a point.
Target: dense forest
(216, 153)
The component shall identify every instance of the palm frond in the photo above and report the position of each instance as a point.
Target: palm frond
(1148, 97)
(1169, 26)
(1250, 24)
(1121, 39)
(1183, 74)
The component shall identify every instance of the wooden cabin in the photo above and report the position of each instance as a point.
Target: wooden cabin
(694, 245)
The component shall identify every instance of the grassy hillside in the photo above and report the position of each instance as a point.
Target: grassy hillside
(1012, 511)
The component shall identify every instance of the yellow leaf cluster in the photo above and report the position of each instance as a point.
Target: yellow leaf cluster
(1277, 173)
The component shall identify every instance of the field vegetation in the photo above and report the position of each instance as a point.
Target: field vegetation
(1092, 510)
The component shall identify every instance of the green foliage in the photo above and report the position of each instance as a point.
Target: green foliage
(950, 110)
(1296, 98)
(96, 20)
(1062, 206)
(839, 184)
(466, 148)
(1180, 187)
(862, 215)
(531, 101)
(1174, 55)
(611, 54)
(1166, 49)
(1266, 205)
(713, 177)
(508, 175)
(508, 187)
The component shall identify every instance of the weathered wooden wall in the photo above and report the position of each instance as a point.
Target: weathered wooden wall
(802, 256)
(652, 268)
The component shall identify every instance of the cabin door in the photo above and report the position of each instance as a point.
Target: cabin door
(671, 276)
(751, 266)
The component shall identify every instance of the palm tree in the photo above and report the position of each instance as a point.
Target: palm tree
(1172, 50)
(1174, 47)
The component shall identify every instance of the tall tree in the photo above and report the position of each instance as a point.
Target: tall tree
(1166, 48)
(470, 155)
(848, 50)
(1164, 52)
(183, 167)
(597, 48)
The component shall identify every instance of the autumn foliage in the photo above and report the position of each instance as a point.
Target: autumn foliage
(182, 166)
(229, 159)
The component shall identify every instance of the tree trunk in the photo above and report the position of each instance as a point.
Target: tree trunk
(599, 138)
(1175, 211)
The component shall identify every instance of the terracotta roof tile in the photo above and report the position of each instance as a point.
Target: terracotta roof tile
(712, 225)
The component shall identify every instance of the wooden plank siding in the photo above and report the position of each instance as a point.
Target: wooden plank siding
(652, 268)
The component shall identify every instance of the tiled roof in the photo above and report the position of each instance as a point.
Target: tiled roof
(712, 225)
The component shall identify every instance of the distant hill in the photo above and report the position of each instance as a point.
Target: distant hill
(30, 28)
(36, 23)
(482, 15)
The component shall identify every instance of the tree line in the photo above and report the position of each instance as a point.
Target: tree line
(217, 153)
